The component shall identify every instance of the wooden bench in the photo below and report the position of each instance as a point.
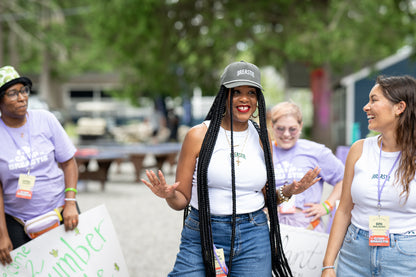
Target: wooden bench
(105, 155)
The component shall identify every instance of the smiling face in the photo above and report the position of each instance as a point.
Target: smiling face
(287, 130)
(244, 105)
(381, 113)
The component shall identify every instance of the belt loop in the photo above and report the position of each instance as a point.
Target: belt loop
(392, 240)
(253, 215)
(355, 230)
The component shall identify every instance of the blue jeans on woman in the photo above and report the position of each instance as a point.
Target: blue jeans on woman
(252, 256)
(357, 258)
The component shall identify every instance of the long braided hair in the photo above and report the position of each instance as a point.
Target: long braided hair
(280, 266)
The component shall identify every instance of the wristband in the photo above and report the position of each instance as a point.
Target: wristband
(71, 189)
(329, 205)
(326, 208)
(70, 199)
(328, 267)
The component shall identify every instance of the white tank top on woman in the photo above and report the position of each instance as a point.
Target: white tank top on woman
(250, 174)
(364, 191)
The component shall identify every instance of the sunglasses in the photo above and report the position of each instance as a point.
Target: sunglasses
(292, 130)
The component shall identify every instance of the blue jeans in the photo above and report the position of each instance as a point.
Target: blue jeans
(357, 258)
(252, 256)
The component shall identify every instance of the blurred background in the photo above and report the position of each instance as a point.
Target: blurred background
(144, 71)
(130, 67)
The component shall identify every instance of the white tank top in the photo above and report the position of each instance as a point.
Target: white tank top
(364, 191)
(250, 173)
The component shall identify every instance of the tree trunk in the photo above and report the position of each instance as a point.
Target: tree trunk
(44, 78)
(321, 92)
(2, 61)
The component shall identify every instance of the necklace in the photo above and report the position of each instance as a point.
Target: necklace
(238, 154)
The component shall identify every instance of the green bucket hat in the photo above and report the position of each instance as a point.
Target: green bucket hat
(10, 77)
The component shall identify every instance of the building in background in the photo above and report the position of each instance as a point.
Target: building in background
(354, 90)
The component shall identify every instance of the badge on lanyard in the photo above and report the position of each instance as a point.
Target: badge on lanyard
(26, 181)
(25, 186)
(221, 269)
(379, 225)
(379, 230)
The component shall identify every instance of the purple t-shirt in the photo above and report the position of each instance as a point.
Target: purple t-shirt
(44, 142)
(292, 164)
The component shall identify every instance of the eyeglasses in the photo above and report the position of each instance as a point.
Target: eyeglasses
(13, 94)
(293, 131)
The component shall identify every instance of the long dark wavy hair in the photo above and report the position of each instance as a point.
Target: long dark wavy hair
(397, 89)
(280, 265)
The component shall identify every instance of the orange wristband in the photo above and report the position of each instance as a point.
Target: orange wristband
(329, 205)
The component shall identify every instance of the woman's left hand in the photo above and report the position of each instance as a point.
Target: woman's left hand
(300, 186)
(70, 215)
(315, 210)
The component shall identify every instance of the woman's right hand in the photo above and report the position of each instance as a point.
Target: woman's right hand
(158, 185)
(5, 248)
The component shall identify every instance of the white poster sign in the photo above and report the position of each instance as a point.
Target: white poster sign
(304, 250)
(92, 249)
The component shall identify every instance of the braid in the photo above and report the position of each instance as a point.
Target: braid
(280, 265)
(215, 115)
(232, 184)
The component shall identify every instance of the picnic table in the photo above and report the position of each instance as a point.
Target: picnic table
(106, 154)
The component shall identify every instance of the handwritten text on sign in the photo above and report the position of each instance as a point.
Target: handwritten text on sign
(92, 249)
(304, 250)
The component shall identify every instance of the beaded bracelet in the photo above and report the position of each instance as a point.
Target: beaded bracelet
(71, 189)
(282, 196)
(328, 267)
(71, 199)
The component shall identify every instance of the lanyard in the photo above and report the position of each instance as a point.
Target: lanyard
(29, 158)
(385, 179)
(286, 172)
(222, 264)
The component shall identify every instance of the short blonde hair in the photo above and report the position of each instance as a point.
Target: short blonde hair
(286, 109)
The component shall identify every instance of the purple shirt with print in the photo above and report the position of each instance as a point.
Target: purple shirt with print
(292, 164)
(43, 142)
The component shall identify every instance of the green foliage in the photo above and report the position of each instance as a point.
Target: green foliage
(168, 47)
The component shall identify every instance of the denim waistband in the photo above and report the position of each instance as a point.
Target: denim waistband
(357, 231)
(228, 218)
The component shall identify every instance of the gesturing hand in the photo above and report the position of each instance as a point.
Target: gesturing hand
(159, 186)
(308, 180)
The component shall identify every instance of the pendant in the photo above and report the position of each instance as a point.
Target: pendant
(239, 155)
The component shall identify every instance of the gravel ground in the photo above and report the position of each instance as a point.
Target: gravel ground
(148, 229)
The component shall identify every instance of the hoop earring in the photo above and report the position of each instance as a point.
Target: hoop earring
(255, 116)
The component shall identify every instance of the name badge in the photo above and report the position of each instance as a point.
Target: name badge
(25, 186)
(379, 230)
(221, 269)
